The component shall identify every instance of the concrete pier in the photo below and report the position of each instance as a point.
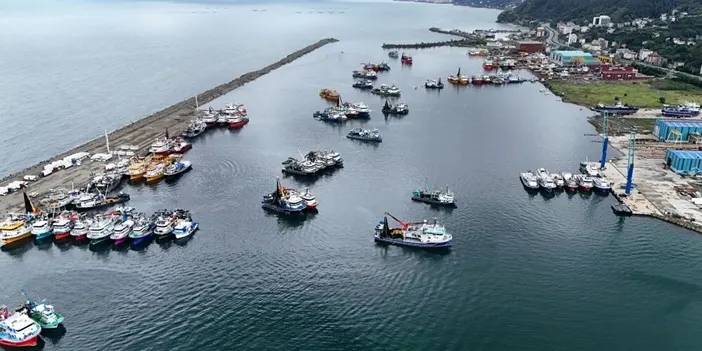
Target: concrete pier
(141, 133)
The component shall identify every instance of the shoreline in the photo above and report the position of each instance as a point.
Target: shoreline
(140, 133)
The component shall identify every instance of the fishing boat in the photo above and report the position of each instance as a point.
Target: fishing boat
(435, 197)
(399, 109)
(41, 229)
(79, 233)
(155, 173)
(142, 231)
(380, 67)
(164, 224)
(687, 110)
(180, 146)
(546, 182)
(558, 179)
(618, 108)
(434, 84)
(238, 122)
(601, 185)
(17, 329)
(477, 80)
(488, 65)
(585, 183)
(101, 201)
(310, 200)
(529, 180)
(177, 169)
(370, 135)
(43, 314)
(62, 227)
(393, 54)
(194, 129)
(161, 146)
(591, 169)
(283, 201)
(458, 78)
(363, 84)
(405, 59)
(184, 228)
(137, 169)
(329, 94)
(15, 235)
(100, 230)
(419, 234)
(571, 183)
(121, 231)
(365, 74)
(385, 90)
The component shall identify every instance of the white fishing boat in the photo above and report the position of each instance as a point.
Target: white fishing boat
(529, 180)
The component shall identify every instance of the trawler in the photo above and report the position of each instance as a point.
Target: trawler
(399, 109)
(418, 234)
(435, 197)
(371, 135)
(283, 201)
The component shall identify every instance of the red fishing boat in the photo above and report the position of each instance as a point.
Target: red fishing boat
(238, 122)
(406, 60)
(488, 65)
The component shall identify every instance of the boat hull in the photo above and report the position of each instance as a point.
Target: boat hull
(62, 236)
(400, 242)
(238, 124)
(433, 202)
(282, 211)
(32, 341)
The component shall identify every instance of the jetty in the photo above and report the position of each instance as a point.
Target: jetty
(141, 134)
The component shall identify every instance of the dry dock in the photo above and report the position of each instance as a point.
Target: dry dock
(140, 133)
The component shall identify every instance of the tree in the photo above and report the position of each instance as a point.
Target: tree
(662, 99)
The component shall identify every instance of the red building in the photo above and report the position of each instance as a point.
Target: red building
(608, 72)
(530, 47)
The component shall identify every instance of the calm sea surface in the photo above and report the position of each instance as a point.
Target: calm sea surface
(526, 272)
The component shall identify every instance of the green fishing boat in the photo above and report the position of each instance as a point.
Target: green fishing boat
(44, 314)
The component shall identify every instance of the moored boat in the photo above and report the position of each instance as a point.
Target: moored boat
(618, 108)
(16, 235)
(184, 228)
(142, 231)
(434, 84)
(529, 180)
(164, 224)
(17, 329)
(546, 182)
(458, 78)
(121, 231)
(41, 229)
(419, 234)
(79, 233)
(365, 135)
(393, 54)
(601, 185)
(100, 230)
(310, 200)
(43, 314)
(363, 84)
(177, 169)
(435, 197)
(405, 59)
(62, 227)
(686, 110)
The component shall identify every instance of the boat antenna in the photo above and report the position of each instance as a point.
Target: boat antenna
(107, 141)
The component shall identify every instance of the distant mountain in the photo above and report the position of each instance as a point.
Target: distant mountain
(570, 10)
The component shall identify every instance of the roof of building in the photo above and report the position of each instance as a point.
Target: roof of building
(572, 53)
(680, 123)
(687, 154)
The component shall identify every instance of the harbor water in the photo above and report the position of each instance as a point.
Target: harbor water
(526, 272)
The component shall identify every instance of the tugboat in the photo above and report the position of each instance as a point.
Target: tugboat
(177, 169)
(458, 79)
(17, 329)
(43, 314)
(617, 109)
(363, 84)
(399, 109)
(365, 135)
(329, 94)
(419, 234)
(687, 110)
(437, 197)
(41, 229)
(283, 201)
(529, 180)
(434, 84)
(142, 231)
(393, 54)
(406, 60)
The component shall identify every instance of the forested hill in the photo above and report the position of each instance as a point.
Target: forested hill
(487, 3)
(620, 10)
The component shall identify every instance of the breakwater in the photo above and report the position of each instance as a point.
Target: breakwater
(140, 133)
(433, 44)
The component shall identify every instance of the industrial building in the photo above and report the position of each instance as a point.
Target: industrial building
(530, 47)
(677, 130)
(683, 161)
(608, 72)
(573, 58)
